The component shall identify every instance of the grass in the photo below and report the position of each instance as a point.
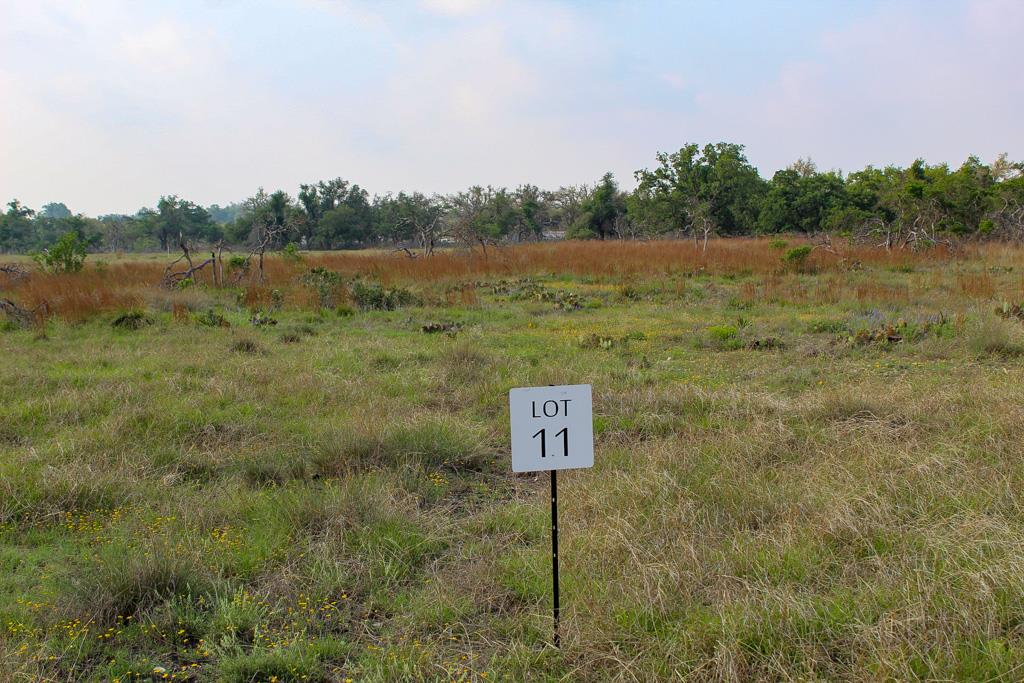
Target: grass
(331, 497)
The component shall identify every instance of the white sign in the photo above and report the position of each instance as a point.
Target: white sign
(552, 428)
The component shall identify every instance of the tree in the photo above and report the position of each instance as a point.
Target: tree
(410, 216)
(699, 191)
(55, 210)
(566, 205)
(177, 219)
(602, 212)
(480, 216)
(801, 201)
(533, 213)
(16, 228)
(348, 224)
(349, 227)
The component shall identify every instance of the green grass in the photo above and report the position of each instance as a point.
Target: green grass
(331, 498)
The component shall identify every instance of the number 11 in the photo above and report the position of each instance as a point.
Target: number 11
(542, 433)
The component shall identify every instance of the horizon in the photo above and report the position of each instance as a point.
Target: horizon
(439, 95)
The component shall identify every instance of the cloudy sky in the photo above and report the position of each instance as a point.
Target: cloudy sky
(106, 104)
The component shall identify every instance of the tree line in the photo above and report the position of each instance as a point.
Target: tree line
(697, 192)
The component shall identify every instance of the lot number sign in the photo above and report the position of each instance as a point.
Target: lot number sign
(552, 428)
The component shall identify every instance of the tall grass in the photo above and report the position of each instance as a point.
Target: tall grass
(131, 283)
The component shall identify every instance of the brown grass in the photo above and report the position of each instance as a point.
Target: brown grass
(128, 284)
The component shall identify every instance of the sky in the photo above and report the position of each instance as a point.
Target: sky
(109, 104)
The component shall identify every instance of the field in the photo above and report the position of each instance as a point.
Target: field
(804, 470)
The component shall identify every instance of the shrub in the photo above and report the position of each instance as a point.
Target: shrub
(325, 283)
(797, 256)
(778, 244)
(723, 332)
(66, 256)
(828, 326)
(450, 328)
(595, 341)
(724, 337)
(131, 320)
(766, 344)
(291, 252)
(212, 318)
(261, 318)
(374, 297)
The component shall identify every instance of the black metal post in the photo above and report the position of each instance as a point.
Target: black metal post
(554, 550)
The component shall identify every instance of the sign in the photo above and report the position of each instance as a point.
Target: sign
(552, 428)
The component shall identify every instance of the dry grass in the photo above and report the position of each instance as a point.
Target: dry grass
(129, 283)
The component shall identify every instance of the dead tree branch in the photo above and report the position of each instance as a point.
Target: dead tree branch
(173, 278)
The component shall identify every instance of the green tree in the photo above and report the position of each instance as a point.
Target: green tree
(602, 213)
(55, 210)
(413, 216)
(66, 256)
(801, 201)
(481, 216)
(176, 218)
(700, 191)
(16, 228)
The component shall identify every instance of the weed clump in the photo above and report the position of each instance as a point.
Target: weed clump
(212, 318)
(900, 330)
(449, 328)
(995, 338)
(132, 320)
(724, 337)
(246, 346)
(766, 344)
(595, 341)
(1009, 311)
(125, 581)
(828, 327)
(261, 318)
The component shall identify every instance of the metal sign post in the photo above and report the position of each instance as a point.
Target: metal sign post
(552, 429)
(554, 552)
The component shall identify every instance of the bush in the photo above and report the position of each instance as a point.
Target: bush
(374, 297)
(132, 320)
(66, 256)
(325, 283)
(723, 332)
(212, 318)
(724, 337)
(797, 256)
